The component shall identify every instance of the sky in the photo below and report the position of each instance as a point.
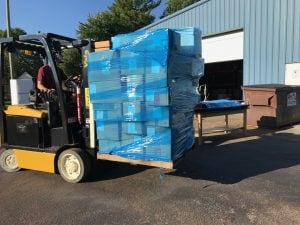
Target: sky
(54, 16)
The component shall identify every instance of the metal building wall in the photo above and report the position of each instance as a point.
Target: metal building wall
(271, 32)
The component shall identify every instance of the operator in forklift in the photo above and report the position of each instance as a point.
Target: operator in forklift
(45, 81)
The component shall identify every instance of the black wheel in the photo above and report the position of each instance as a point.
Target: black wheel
(74, 165)
(8, 161)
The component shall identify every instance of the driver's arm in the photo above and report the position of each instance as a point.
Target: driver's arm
(63, 86)
(41, 87)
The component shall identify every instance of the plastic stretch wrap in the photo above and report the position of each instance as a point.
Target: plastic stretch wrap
(130, 112)
(115, 91)
(155, 146)
(184, 66)
(187, 41)
(144, 92)
(152, 45)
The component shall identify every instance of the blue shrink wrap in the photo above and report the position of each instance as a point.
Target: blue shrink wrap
(134, 111)
(139, 111)
(184, 94)
(122, 40)
(187, 41)
(122, 91)
(138, 128)
(143, 41)
(155, 146)
(142, 64)
(132, 65)
(106, 146)
(158, 96)
(153, 45)
(159, 145)
(186, 66)
(109, 113)
(104, 66)
(109, 130)
(114, 92)
(144, 92)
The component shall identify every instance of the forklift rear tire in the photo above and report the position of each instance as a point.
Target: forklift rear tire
(74, 165)
(8, 161)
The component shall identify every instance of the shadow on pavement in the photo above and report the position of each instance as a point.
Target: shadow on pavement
(228, 159)
(107, 170)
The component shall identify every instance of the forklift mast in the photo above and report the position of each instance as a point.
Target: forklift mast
(85, 50)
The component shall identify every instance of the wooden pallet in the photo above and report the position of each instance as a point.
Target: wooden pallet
(115, 158)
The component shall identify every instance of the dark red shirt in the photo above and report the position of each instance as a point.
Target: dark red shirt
(46, 78)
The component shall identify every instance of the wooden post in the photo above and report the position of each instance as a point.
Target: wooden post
(200, 138)
(226, 123)
(245, 122)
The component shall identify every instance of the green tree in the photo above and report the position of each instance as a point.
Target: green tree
(122, 17)
(26, 63)
(15, 32)
(2, 33)
(71, 63)
(175, 5)
(21, 62)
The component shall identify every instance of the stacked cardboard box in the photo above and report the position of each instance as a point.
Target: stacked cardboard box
(144, 91)
(102, 46)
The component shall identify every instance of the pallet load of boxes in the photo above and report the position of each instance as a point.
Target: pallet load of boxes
(143, 92)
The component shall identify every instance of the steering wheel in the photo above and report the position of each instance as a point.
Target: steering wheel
(72, 81)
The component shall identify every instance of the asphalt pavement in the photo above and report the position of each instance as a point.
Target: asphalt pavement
(229, 180)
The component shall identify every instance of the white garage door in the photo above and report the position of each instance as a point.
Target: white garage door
(223, 48)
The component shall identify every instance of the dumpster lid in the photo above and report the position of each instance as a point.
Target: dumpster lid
(269, 87)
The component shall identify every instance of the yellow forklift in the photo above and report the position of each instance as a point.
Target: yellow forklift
(50, 134)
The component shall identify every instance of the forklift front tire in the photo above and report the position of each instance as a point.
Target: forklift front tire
(74, 165)
(8, 161)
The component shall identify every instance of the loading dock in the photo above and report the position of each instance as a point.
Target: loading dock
(223, 80)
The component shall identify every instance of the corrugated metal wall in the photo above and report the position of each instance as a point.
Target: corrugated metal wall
(271, 32)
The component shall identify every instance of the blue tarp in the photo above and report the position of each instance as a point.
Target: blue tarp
(221, 103)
